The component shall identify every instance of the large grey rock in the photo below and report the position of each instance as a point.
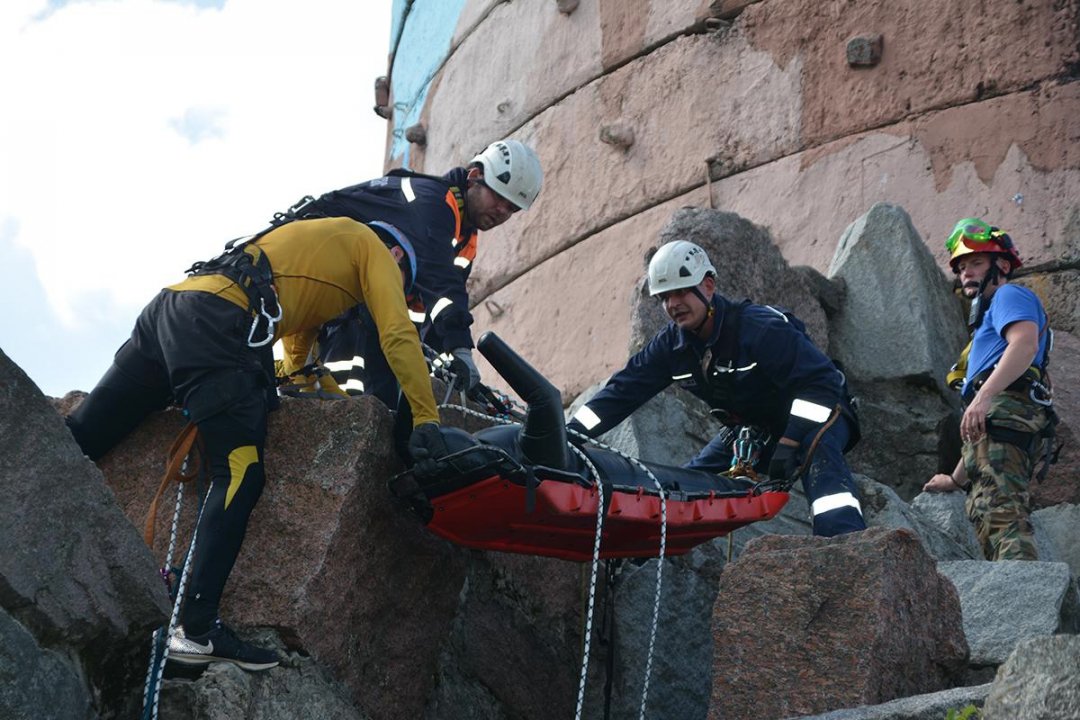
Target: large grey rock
(324, 530)
(898, 318)
(749, 265)
(516, 615)
(1057, 535)
(910, 431)
(882, 507)
(932, 706)
(690, 585)
(37, 683)
(298, 689)
(1062, 483)
(1039, 681)
(946, 512)
(75, 572)
(682, 657)
(808, 625)
(1008, 601)
(670, 429)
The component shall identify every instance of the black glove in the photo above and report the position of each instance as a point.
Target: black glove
(464, 368)
(783, 465)
(427, 447)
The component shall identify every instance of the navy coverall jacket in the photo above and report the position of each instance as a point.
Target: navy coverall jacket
(758, 368)
(430, 211)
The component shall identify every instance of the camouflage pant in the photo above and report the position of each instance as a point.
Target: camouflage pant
(998, 502)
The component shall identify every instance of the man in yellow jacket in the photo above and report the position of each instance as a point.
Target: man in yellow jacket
(204, 344)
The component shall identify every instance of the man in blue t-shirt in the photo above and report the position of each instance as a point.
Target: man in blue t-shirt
(1005, 392)
(759, 368)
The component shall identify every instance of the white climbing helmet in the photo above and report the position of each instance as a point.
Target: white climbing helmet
(679, 264)
(512, 170)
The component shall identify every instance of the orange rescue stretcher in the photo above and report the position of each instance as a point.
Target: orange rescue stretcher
(520, 488)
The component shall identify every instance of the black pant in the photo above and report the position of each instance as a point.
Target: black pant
(354, 334)
(191, 347)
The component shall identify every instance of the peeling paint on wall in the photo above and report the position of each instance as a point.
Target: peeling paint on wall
(424, 30)
(756, 112)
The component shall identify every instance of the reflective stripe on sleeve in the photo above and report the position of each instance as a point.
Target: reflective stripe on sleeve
(810, 411)
(344, 365)
(440, 305)
(587, 417)
(682, 377)
(782, 315)
(417, 317)
(353, 384)
(834, 502)
(462, 262)
(406, 189)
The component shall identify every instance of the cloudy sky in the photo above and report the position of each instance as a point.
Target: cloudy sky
(138, 136)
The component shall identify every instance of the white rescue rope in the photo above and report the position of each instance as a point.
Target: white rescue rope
(153, 678)
(596, 555)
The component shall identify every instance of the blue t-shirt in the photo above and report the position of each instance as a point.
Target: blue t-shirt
(1011, 303)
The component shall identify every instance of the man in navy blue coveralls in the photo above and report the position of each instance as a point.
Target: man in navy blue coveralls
(441, 215)
(757, 366)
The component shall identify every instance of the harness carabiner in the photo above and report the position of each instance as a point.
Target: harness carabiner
(1040, 394)
(271, 320)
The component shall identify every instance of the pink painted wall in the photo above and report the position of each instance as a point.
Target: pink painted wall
(973, 109)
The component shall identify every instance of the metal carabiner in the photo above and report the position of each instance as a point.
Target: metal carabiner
(1040, 394)
(271, 320)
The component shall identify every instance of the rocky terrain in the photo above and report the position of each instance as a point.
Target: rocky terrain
(379, 619)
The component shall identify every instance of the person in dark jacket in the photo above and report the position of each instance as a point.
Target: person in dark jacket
(442, 216)
(755, 367)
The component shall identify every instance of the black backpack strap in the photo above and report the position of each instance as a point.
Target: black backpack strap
(253, 274)
(404, 172)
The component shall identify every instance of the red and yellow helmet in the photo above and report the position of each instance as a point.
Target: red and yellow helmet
(972, 235)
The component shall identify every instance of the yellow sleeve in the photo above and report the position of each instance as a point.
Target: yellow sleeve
(955, 377)
(380, 279)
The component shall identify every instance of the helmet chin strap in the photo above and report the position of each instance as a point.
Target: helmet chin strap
(709, 310)
(978, 305)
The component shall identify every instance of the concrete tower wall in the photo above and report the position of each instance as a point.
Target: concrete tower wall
(963, 107)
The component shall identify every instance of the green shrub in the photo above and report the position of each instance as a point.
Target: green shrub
(968, 713)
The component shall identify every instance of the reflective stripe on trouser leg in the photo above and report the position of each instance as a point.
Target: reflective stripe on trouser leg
(360, 339)
(233, 443)
(830, 488)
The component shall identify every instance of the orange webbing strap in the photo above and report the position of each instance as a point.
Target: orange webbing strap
(181, 448)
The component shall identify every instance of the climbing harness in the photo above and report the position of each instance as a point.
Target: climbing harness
(747, 447)
(246, 264)
(1035, 382)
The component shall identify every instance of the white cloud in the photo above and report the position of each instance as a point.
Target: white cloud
(140, 135)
